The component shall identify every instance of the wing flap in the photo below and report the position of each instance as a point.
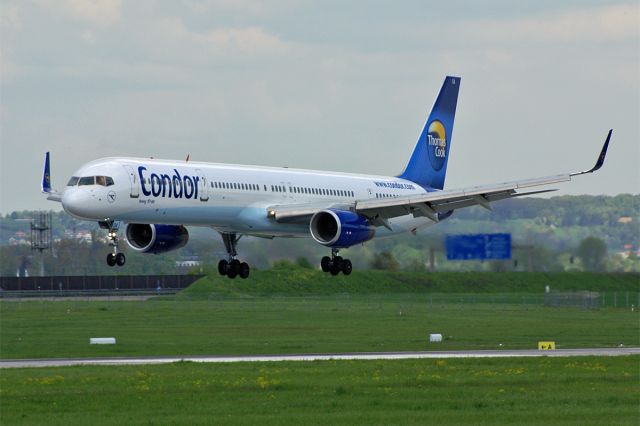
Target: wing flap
(301, 213)
(429, 205)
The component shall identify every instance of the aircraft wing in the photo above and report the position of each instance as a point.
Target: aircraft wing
(433, 204)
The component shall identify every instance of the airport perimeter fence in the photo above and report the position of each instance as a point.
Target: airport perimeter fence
(337, 303)
(70, 286)
(98, 283)
(626, 300)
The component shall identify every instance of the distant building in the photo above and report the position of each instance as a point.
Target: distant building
(186, 264)
(625, 219)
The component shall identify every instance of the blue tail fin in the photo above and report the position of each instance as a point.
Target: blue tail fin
(428, 164)
(46, 176)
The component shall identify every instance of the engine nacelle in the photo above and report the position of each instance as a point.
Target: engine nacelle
(152, 238)
(340, 228)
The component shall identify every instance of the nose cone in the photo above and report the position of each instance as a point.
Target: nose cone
(78, 203)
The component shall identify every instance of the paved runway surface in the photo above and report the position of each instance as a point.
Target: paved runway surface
(27, 363)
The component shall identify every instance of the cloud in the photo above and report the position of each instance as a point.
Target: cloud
(244, 40)
(611, 23)
(101, 13)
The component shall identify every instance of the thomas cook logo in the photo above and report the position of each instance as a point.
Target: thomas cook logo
(437, 144)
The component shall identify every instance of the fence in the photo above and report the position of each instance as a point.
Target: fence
(98, 282)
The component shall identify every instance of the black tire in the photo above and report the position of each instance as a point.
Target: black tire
(111, 259)
(347, 267)
(244, 270)
(325, 264)
(335, 270)
(223, 265)
(338, 261)
(120, 259)
(234, 268)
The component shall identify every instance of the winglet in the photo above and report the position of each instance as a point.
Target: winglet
(601, 157)
(46, 177)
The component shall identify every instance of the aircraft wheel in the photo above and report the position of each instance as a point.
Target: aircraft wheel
(234, 268)
(347, 267)
(244, 270)
(337, 262)
(120, 259)
(325, 264)
(335, 269)
(111, 259)
(223, 265)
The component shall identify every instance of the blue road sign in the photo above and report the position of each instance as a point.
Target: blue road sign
(478, 246)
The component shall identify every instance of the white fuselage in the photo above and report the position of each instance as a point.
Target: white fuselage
(229, 198)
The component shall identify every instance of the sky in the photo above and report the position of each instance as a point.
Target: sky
(329, 85)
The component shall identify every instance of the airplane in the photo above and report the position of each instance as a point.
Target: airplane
(157, 199)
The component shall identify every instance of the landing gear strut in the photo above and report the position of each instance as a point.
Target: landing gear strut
(232, 267)
(114, 258)
(336, 264)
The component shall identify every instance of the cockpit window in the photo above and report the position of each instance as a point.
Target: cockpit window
(91, 180)
(104, 180)
(87, 180)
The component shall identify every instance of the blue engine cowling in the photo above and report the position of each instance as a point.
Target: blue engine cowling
(340, 228)
(152, 238)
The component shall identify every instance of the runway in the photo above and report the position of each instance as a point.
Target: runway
(65, 362)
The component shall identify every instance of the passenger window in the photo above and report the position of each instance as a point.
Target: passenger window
(87, 180)
(73, 181)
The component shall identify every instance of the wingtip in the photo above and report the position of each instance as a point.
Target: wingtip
(603, 152)
(601, 157)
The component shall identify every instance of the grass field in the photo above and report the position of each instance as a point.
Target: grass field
(318, 324)
(549, 391)
(290, 280)
(304, 311)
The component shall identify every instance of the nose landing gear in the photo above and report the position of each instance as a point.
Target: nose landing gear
(114, 258)
(232, 267)
(336, 264)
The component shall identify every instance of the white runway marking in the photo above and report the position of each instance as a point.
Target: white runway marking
(64, 362)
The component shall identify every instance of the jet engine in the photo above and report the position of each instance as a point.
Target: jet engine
(340, 228)
(153, 238)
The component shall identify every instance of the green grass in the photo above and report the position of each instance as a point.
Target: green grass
(549, 391)
(311, 324)
(293, 280)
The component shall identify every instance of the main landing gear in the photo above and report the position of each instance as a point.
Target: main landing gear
(336, 264)
(232, 267)
(114, 258)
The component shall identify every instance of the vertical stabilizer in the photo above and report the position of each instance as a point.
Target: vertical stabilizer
(46, 176)
(428, 163)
